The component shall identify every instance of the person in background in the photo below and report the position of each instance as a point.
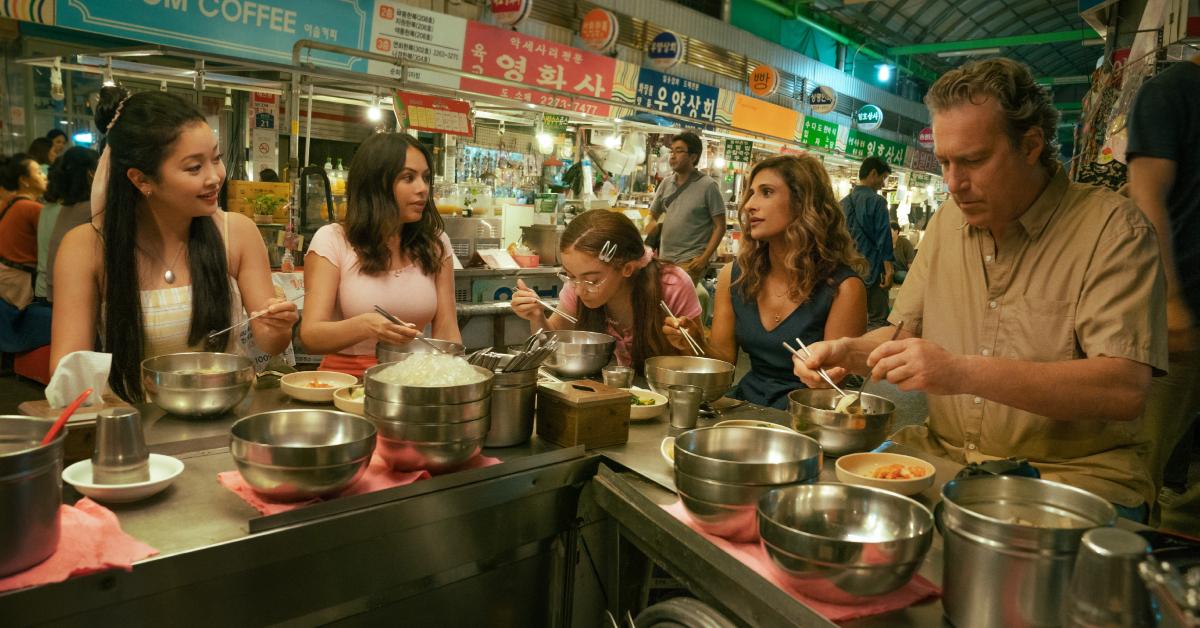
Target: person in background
(1034, 316)
(71, 187)
(391, 250)
(58, 143)
(20, 330)
(40, 150)
(613, 284)
(687, 215)
(160, 266)
(795, 276)
(867, 217)
(267, 175)
(1164, 181)
(903, 254)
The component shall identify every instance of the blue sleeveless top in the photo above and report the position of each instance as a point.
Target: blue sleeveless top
(770, 378)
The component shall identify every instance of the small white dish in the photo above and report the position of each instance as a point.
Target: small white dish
(668, 450)
(753, 423)
(344, 400)
(300, 385)
(860, 469)
(645, 413)
(163, 471)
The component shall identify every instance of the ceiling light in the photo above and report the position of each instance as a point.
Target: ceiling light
(612, 141)
(108, 75)
(884, 72)
(719, 163)
(969, 53)
(374, 113)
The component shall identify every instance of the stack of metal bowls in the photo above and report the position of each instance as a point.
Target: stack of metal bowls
(30, 492)
(197, 384)
(289, 455)
(390, 353)
(428, 427)
(840, 433)
(580, 353)
(840, 543)
(714, 376)
(721, 472)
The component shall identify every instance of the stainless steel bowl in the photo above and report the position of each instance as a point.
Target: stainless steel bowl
(197, 384)
(747, 455)
(840, 433)
(437, 447)
(714, 376)
(289, 455)
(840, 542)
(390, 353)
(422, 413)
(580, 353)
(426, 395)
(30, 492)
(724, 509)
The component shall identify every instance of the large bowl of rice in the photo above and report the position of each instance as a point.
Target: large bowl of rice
(429, 379)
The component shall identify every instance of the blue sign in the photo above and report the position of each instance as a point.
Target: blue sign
(674, 95)
(263, 31)
(665, 50)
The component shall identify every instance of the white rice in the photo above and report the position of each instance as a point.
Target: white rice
(431, 370)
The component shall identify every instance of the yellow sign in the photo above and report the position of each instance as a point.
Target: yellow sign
(760, 116)
(764, 80)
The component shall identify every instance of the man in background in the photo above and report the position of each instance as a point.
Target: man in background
(867, 218)
(688, 212)
(903, 253)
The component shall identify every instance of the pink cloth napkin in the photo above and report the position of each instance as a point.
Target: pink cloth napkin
(378, 476)
(91, 540)
(753, 556)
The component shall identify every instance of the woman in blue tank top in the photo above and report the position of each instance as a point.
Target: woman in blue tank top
(795, 276)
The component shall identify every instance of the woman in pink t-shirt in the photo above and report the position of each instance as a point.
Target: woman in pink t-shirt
(391, 251)
(613, 284)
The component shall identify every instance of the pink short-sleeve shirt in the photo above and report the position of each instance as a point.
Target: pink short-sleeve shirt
(677, 290)
(408, 293)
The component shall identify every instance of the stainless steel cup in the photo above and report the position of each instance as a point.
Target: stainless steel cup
(685, 405)
(120, 456)
(1105, 587)
(618, 376)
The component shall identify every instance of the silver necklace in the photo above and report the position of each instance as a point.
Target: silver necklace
(169, 274)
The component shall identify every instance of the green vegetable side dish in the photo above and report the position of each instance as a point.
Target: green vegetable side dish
(634, 400)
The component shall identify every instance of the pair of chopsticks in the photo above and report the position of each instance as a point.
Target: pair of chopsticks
(213, 335)
(395, 321)
(807, 355)
(570, 319)
(686, 336)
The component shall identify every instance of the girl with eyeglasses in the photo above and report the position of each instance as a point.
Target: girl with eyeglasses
(613, 285)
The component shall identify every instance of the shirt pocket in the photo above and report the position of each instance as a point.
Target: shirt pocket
(1041, 330)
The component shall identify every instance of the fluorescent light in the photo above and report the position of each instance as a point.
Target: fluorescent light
(83, 138)
(969, 53)
(884, 72)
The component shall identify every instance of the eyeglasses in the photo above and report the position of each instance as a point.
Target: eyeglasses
(582, 285)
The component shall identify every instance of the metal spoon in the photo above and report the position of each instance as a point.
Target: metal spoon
(855, 406)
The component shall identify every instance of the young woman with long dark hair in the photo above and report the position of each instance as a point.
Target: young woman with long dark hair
(70, 190)
(391, 250)
(794, 277)
(613, 285)
(160, 266)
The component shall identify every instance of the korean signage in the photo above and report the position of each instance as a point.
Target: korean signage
(536, 62)
(738, 151)
(675, 95)
(818, 133)
(554, 125)
(760, 116)
(510, 12)
(861, 145)
(598, 30)
(407, 32)
(822, 99)
(924, 161)
(665, 50)
(869, 117)
(264, 130)
(764, 80)
(925, 137)
(433, 114)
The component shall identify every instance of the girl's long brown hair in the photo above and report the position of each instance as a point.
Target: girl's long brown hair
(588, 233)
(371, 213)
(817, 239)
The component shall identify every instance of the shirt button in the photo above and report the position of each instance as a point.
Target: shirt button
(978, 400)
(986, 352)
(993, 304)
(971, 446)
(987, 258)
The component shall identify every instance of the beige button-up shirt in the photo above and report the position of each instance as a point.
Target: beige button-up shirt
(1078, 275)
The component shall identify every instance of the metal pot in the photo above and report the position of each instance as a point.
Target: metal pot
(513, 396)
(385, 352)
(30, 492)
(1010, 546)
(543, 240)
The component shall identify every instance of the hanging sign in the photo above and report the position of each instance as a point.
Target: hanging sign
(764, 80)
(665, 50)
(861, 146)
(760, 116)
(406, 32)
(822, 99)
(432, 113)
(818, 133)
(598, 30)
(679, 96)
(510, 12)
(264, 130)
(554, 124)
(925, 137)
(869, 117)
(924, 161)
(738, 151)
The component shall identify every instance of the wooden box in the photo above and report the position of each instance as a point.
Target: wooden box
(582, 412)
(240, 193)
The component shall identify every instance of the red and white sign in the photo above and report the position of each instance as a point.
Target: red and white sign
(764, 80)
(925, 137)
(498, 53)
(599, 29)
(510, 12)
(432, 113)
(264, 130)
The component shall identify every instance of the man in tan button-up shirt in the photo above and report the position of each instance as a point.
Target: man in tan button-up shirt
(1034, 313)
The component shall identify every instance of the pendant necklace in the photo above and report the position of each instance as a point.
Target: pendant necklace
(169, 274)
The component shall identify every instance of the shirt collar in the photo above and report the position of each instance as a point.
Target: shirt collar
(1035, 219)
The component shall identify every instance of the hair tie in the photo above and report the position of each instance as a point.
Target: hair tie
(117, 115)
(645, 259)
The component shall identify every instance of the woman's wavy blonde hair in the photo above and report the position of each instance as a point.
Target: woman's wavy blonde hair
(817, 238)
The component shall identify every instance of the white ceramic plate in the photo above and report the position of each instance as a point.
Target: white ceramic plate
(668, 450)
(858, 469)
(298, 386)
(344, 402)
(163, 471)
(645, 413)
